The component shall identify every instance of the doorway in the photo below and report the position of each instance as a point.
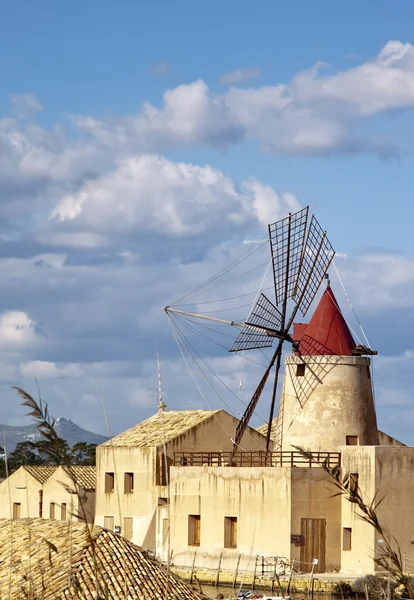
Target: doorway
(313, 532)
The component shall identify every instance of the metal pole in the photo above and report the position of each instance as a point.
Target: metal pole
(241, 325)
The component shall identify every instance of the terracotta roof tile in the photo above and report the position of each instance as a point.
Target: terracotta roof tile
(163, 426)
(84, 476)
(57, 560)
(41, 473)
(263, 429)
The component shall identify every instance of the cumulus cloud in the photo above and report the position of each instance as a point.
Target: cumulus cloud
(240, 76)
(17, 330)
(190, 114)
(151, 193)
(313, 114)
(116, 230)
(41, 369)
(386, 279)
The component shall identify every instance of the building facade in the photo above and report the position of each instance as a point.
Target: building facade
(171, 484)
(134, 469)
(69, 494)
(285, 508)
(21, 494)
(49, 492)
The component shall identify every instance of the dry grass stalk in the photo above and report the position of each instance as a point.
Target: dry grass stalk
(59, 453)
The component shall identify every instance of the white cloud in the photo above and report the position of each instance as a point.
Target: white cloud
(314, 113)
(380, 281)
(240, 76)
(25, 105)
(268, 205)
(151, 193)
(17, 329)
(190, 114)
(41, 369)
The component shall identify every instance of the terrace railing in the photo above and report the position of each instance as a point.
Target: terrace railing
(257, 458)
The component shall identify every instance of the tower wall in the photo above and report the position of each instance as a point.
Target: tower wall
(325, 399)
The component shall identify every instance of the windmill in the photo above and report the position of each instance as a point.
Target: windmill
(301, 254)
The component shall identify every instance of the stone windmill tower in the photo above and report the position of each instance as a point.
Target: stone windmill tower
(327, 398)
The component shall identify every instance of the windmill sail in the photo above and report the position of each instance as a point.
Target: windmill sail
(286, 245)
(301, 254)
(264, 315)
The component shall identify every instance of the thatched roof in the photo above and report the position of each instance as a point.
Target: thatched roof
(162, 427)
(57, 560)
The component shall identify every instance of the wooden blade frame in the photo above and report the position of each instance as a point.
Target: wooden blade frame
(300, 262)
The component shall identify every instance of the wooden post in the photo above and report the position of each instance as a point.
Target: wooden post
(218, 569)
(292, 566)
(236, 572)
(278, 583)
(311, 579)
(193, 566)
(254, 574)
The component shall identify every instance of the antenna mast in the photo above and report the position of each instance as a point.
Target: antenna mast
(161, 405)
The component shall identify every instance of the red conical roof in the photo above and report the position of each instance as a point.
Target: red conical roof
(327, 331)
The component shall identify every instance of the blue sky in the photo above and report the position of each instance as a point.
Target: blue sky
(141, 143)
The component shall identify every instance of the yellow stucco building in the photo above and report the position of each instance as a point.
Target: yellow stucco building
(49, 492)
(172, 485)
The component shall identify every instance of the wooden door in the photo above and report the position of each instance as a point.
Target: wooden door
(128, 524)
(313, 546)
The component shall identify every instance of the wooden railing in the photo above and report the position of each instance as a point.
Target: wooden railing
(255, 459)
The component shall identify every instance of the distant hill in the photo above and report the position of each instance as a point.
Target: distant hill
(65, 428)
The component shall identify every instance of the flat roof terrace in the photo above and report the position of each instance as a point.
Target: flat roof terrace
(257, 458)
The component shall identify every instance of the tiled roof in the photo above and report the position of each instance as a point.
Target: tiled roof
(161, 427)
(40, 473)
(56, 561)
(85, 477)
(263, 429)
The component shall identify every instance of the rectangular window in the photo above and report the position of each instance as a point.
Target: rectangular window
(347, 538)
(162, 469)
(300, 370)
(109, 483)
(128, 483)
(352, 440)
(128, 528)
(353, 482)
(52, 510)
(368, 372)
(109, 523)
(230, 532)
(165, 528)
(16, 510)
(194, 530)
(63, 511)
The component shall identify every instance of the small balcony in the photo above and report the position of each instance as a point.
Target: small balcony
(255, 459)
